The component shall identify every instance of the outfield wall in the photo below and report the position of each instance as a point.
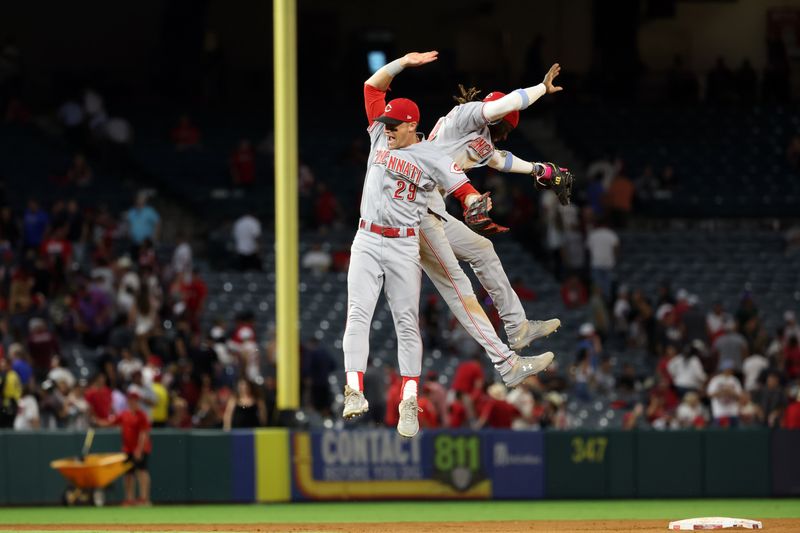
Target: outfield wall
(281, 465)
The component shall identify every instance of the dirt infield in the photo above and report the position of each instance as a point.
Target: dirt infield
(783, 525)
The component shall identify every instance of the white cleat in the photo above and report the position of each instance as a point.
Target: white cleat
(532, 330)
(355, 404)
(526, 367)
(408, 426)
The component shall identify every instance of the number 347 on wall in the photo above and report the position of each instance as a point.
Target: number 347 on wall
(589, 449)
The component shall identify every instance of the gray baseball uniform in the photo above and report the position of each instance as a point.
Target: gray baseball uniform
(464, 135)
(386, 250)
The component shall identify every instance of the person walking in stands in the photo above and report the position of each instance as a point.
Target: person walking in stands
(136, 443)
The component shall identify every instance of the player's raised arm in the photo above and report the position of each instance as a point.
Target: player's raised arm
(375, 87)
(546, 175)
(522, 98)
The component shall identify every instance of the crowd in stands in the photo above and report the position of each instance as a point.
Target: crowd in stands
(80, 284)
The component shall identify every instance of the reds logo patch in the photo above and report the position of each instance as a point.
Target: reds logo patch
(388, 108)
(455, 169)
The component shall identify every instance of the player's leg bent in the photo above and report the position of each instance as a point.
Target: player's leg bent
(479, 252)
(441, 266)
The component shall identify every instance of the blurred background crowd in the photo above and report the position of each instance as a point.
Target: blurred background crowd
(136, 249)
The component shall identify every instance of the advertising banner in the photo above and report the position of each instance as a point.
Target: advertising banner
(380, 464)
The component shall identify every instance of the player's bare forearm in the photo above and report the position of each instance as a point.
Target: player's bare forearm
(383, 76)
(522, 98)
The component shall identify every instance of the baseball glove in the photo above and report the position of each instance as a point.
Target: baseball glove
(557, 179)
(476, 216)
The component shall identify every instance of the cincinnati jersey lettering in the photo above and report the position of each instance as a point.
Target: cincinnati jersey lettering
(398, 165)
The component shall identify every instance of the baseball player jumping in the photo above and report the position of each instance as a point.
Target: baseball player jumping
(402, 171)
(468, 134)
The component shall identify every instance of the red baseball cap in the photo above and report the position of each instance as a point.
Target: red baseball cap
(398, 111)
(513, 117)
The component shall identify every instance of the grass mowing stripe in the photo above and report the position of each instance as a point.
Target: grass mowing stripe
(408, 511)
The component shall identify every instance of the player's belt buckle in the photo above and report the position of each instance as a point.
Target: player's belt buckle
(390, 232)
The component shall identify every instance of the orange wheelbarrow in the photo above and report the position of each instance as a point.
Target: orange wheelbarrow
(90, 474)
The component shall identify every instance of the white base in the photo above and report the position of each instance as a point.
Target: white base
(714, 522)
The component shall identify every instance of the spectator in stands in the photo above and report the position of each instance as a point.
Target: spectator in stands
(42, 346)
(603, 245)
(618, 199)
(316, 259)
(461, 411)
(598, 309)
(582, 375)
(128, 365)
(622, 312)
(10, 394)
(750, 414)
(724, 390)
(646, 184)
(554, 224)
(525, 293)
(752, 368)
(144, 223)
(246, 236)
(185, 135)
(34, 225)
(791, 418)
(96, 309)
(245, 408)
(20, 363)
(27, 411)
(522, 397)
(428, 413)
(686, 371)
(326, 206)
(691, 413)
(719, 83)
(604, 380)
(573, 293)
(243, 164)
(731, 347)
(437, 394)
(79, 173)
(208, 413)
(469, 376)
(554, 415)
(10, 231)
(189, 293)
(790, 326)
(495, 411)
(98, 396)
(182, 257)
(715, 320)
(791, 358)
(590, 341)
(771, 399)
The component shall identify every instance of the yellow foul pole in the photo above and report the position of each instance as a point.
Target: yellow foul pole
(286, 236)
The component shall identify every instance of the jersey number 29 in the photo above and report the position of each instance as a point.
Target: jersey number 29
(401, 187)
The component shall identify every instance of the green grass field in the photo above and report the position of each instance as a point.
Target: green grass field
(405, 512)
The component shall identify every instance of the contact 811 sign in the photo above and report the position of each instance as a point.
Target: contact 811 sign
(457, 460)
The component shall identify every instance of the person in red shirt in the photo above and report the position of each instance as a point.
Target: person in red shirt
(136, 443)
(326, 206)
(243, 164)
(185, 134)
(191, 290)
(42, 346)
(791, 416)
(469, 376)
(791, 357)
(496, 412)
(98, 396)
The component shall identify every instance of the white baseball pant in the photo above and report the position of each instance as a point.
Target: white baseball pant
(394, 264)
(441, 265)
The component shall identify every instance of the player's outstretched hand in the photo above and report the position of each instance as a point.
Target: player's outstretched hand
(554, 71)
(417, 59)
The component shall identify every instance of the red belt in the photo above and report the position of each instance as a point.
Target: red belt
(386, 231)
